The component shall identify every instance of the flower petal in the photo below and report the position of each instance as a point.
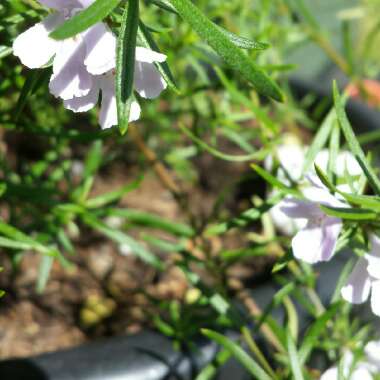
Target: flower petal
(285, 224)
(358, 285)
(135, 111)
(347, 161)
(373, 257)
(321, 196)
(100, 49)
(147, 80)
(361, 373)
(372, 351)
(148, 56)
(86, 3)
(34, 47)
(306, 244)
(330, 374)
(375, 297)
(331, 228)
(84, 103)
(57, 4)
(108, 111)
(317, 241)
(70, 78)
(297, 208)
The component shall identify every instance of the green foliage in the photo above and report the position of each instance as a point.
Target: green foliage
(125, 63)
(210, 125)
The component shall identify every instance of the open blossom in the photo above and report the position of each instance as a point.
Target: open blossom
(291, 155)
(76, 59)
(316, 241)
(364, 280)
(84, 65)
(148, 83)
(361, 370)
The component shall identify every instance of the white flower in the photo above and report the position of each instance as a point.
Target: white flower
(108, 111)
(76, 59)
(291, 156)
(372, 352)
(83, 66)
(362, 370)
(148, 83)
(365, 279)
(316, 241)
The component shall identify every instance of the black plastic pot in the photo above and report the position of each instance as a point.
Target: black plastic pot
(150, 356)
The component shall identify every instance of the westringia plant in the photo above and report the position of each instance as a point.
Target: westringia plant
(313, 201)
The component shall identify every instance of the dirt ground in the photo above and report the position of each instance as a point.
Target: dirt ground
(104, 292)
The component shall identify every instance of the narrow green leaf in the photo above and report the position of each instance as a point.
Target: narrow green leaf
(320, 140)
(245, 218)
(295, 364)
(349, 213)
(242, 42)
(5, 51)
(121, 238)
(209, 372)
(3, 189)
(154, 221)
(333, 152)
(125, 63)
(93, 160)
(96, 12)
(342, 280)
(13, 244)
(365, 201)
(112, 196)
(18, 236)
(239, 354)
(315, 330)
(274, 181)
(353, 142)
(292, 317)
(324, 179)
(32, 81)
(224, 156)
(231, 54)
(165, 5)
(44, 272)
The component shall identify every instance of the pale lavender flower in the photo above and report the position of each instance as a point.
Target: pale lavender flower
(83, 66)
(316, 241)
(364, 280)
(147, 80)
(291, 155)
(76, 59)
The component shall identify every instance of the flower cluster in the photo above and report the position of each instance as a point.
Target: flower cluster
(316, 233)
(84, 65)
(362, 370)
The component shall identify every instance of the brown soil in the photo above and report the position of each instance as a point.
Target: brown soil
(103, 293)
